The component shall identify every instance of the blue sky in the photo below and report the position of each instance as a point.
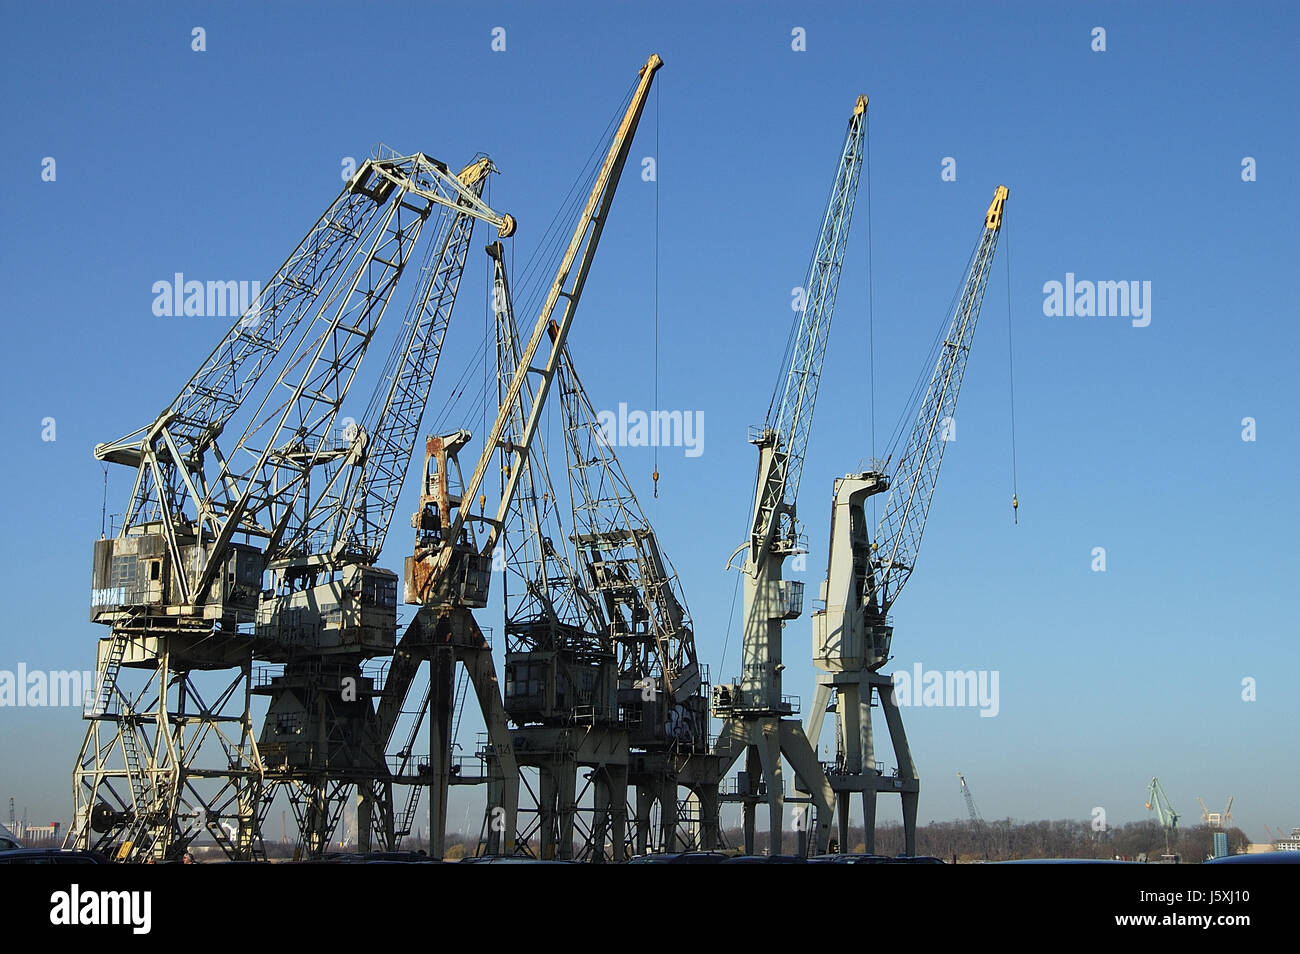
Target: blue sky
(1122, 165)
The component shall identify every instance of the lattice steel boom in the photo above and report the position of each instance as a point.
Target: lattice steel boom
(788, 429)
(898, 537)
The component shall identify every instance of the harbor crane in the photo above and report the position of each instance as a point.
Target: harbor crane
(181, 585)
(601, 665)
(852, 628)
(1219, 821)
(600, 668)
(971, 810)
(449, 573)
(560, 688)
(1158, 802)
(661, 688)
(319, 744)
(976, 819)
(754, 710)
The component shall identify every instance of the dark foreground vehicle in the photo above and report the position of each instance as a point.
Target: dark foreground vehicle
(1065, 861)
(379, 858)
(766, 860)
(513, 860)
(51, 856)
(681, 858)
(851, 859)
(1263, 858)
(8, 840)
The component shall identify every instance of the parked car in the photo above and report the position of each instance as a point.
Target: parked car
(1065, 861)
(51, 856)
(8, 840)
(681, 858)
(918, 860)
(851, 859)
(379, 858)
(513, 860)
(1260, 858)
(765, 860)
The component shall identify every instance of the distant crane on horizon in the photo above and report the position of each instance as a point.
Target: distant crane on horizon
(981, 828)
(1216, 820)
(1158, 802)
(970, 801)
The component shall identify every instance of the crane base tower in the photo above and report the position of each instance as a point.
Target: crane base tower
(855, 770)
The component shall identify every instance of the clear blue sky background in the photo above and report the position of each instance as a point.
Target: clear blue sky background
(1121, 165)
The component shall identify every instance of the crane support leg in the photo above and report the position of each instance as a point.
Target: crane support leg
(566, 775)
(365, 798)
(708, 796)
(821, 699)
(497, 814)
(803, 759)
(558, 805)
(855, 769)
(502, 766)
(765, 740)
(769, 754)
(668, 818)
(610, 786)
(374, 815)
(754, 768)
(907, 784)
(645, 798)
(442, 672)
(868, 819)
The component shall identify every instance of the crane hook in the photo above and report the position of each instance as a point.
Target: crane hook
(655, 477)
(1015, 508)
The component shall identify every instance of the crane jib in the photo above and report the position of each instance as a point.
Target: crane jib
(903, 521)
(783, 441)
(528, 402)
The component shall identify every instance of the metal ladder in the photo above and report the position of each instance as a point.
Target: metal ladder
(131, 753)
(100, 709)
(108, 677)
(408, 815)
(139, 824)
(458, 702)
(402, 828)
(407, 818)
